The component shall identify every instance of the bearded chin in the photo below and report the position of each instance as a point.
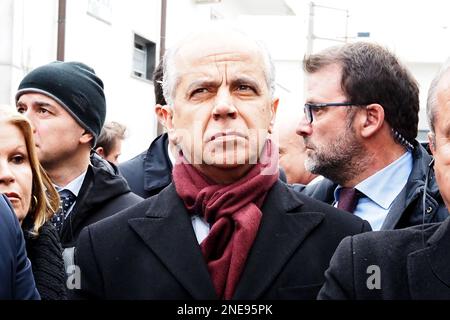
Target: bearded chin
(311, 165)
(336, 167)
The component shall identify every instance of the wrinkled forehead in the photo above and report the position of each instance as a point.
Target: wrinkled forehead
(219, 48)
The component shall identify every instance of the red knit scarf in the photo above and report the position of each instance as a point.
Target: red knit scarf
(233, 212)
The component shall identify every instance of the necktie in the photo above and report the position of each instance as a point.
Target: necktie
(67, 200)
(348, 198)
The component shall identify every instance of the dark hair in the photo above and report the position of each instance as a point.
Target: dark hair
(372, 74)
(111, 131)
(157, 82)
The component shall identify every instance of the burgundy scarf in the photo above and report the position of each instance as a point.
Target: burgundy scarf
(233, 212)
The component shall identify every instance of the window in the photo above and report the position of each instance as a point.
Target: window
(143, 58)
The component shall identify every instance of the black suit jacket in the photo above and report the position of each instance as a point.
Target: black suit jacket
(413, 264)
(150, 251)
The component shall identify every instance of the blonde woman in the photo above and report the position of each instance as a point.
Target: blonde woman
(34, 200)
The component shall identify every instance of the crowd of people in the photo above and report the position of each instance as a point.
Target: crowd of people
(225, 204)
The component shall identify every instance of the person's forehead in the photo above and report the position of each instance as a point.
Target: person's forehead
(11, 129)
(324, 84)
(206, 49)
(332, 73)
(35, 97)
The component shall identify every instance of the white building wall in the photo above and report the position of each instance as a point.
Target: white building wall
(6, 63)
(424, 74)
(28, 39)
(107, 46)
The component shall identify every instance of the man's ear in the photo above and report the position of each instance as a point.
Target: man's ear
(432, 142)
(166, 112)
(273, 109)
(165, 115)
(100, 151)
(159, 114)
(372, 120)
(87, 137)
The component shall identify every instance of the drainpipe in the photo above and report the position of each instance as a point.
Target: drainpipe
(162, 48)
(61, 30)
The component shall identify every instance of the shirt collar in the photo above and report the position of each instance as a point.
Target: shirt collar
(74, 186)
(384, 186)
(171, 156)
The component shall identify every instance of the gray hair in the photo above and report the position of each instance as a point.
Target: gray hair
(432, 94)
(171, 80)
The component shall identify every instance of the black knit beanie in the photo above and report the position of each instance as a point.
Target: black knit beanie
(73, 85)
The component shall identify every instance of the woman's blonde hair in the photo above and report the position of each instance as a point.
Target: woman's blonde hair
(44, 197)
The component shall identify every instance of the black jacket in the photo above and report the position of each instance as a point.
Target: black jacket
(102, 194)
(413, 263)
(45, 254)
(151, 171)
(150, 251)
(407, 208)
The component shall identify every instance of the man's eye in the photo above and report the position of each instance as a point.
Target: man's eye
(317, 110)
(20, 109)
(245, 88)
(43, 110)
(199, 91)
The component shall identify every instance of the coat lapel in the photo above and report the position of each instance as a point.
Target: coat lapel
(281, 232)
(167, 231)
(397, 209)
(428, 269)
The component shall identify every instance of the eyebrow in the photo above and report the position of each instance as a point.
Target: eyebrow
(21, 148)
(43, 104)
(246, 80)
(37, 103)
(203, 83)
(240, 80)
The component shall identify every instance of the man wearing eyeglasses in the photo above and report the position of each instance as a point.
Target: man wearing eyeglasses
(410, 263)
(359, 128)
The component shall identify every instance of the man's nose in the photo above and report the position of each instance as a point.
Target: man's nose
(304, 128)
(223, 106)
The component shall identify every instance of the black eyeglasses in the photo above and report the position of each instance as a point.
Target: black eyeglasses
(310, 107)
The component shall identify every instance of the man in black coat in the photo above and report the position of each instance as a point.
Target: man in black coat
(402, 264)
(66, 104)
(151, 171)
(360, 125)
(226, 227)
(16, 277)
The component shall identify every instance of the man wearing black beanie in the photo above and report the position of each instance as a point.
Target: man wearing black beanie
(66, 104)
